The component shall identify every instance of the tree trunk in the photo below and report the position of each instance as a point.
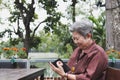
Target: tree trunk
(27, 41)
(27, 13)
(73, 8)
(113, 24)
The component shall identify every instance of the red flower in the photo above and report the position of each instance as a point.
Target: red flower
(24, 49)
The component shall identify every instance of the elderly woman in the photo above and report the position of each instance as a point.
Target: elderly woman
(88, 61)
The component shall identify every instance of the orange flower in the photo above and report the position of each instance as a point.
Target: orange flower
(108, 51)
(6, 49)
(14, 49)
(118, 52)
(113, 50)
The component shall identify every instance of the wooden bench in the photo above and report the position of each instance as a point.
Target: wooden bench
(112, 74)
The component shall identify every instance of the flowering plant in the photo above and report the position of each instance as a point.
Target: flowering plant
(14, 52)
(113, 53)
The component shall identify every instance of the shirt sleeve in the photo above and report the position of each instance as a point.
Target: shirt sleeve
(93, 70)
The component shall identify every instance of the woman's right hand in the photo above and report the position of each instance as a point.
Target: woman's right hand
(59, 70)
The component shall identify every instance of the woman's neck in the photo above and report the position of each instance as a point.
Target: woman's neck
(88, 44)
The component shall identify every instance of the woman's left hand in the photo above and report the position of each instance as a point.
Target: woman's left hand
(59, 70)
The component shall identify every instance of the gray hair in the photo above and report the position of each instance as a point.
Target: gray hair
(83, 27)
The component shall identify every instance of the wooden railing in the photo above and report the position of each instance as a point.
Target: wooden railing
(115, 63)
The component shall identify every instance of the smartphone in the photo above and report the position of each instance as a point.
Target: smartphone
(65, 67)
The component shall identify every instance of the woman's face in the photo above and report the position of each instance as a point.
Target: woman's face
(80, 41)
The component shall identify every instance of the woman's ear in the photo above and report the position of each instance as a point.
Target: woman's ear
(89, 35)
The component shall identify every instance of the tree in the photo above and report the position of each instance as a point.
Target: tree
(113, 24)
(25, 11)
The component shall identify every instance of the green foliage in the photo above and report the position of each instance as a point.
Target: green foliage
(35, 16)
(8, 54)
(1, 34)
(52, 43)
(64, 35)
(67, 54)
(49, 5)
(99, 30)
(60, 32)
(112, 53)
(53, 19)
(23, 1)
(0, 1)
(14, 41)
(22, 54)
(6, 31)
(9, 50)
(35, 41)
(49, 42)
(15, 16)
(52, 22)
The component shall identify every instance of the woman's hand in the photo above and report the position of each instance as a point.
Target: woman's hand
(59, 70)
